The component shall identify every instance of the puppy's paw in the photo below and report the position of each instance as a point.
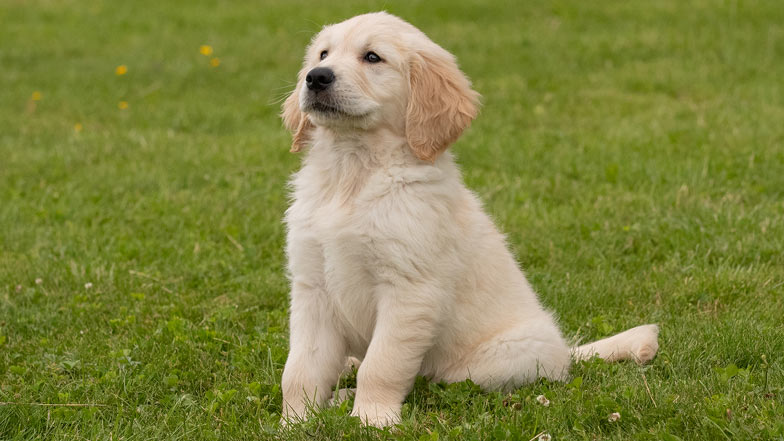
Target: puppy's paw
(341, 395)
(377, 415)
(646, 343)
(292, 415)
(352, 364)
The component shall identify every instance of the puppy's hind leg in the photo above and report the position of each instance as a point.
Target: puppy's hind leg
(639, 344)
(515, 357)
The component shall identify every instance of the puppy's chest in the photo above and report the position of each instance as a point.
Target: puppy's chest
(349, 266)
(343, 228)
(341, 216)
(346, 239)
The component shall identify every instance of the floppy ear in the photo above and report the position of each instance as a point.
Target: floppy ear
(441, 103)
(296, 121)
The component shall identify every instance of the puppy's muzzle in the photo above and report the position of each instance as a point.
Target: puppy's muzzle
(319, 78)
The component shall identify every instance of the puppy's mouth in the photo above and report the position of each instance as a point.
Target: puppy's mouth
(320, 107)
(329, 109)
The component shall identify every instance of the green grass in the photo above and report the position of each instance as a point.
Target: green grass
(633, 152)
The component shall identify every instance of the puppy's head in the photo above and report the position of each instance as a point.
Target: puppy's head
(377, 71)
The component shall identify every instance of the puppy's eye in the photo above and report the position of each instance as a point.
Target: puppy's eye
(372, 57)
(323, 55)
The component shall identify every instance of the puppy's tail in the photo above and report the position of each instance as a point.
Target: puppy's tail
(639, 344)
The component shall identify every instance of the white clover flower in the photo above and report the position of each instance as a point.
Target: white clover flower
(39, 281)
(545, 437)
(88, 285)
(615, 416)
(543, 400)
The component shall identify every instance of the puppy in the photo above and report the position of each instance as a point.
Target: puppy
(391, 258)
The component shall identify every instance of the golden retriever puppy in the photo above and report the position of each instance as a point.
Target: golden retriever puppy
(391, 258)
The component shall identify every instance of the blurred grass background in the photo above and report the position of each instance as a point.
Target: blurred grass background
(632, 151)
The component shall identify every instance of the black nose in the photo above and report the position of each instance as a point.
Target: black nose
(319, 78)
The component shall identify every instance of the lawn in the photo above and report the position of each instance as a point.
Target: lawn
(632, 151)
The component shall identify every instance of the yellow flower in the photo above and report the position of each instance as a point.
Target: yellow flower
(122, 105)
(36, 96)
(121, 70)
(215, 62)
(205, 50)
(78, 127)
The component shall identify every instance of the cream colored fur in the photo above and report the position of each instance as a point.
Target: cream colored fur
(392, 259)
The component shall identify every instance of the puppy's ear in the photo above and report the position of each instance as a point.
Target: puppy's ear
(296, 121)
(441, 103)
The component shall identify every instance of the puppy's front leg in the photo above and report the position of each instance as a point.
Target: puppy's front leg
(406, 322)
(317, 352)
